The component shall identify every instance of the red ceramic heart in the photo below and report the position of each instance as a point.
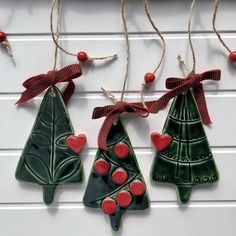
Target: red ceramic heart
(161, 141)
(76, 143)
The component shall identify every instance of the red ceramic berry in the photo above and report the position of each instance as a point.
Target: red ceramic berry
(232, 56)
(149, 77)
(101, 166)
(109, 206)
(3, 36)
(123, 198)
(137, 187)
(82, 56)
(119, 176)
(121, 150)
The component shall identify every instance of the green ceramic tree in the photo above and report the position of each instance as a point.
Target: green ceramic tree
(116, 183)
(46, 159)
(183, 155)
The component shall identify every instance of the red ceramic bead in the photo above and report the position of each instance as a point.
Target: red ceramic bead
(82, 56)
(149, 77)
(109, 206)
(232, 56)
(123, 198)
(3, 36)
(119, 176)
(101, 166)
(137, 187)
(121, 150)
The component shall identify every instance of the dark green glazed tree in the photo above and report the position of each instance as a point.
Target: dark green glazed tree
(188, 160)
(116, 183)
(46, 159)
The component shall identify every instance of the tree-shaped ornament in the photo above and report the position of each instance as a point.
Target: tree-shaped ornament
(51, 154)
(115, 183)
(183, 155)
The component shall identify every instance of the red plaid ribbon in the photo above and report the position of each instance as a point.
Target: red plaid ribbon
(179, 86)
(37, 84)
(112, 113)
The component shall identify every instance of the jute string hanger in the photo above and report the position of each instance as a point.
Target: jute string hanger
(39, 83)
(82, 56)
(148, 77)
(232, 54)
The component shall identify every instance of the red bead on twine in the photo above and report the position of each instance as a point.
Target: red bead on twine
(82, 56)
(109, 206)
(124, 198)
(232, 56)
(149, 77)
(3, 36)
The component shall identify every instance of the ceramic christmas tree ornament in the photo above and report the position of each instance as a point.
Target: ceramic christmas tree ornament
(115, 183)
(183, 155)
(51, 155)
(48, 158)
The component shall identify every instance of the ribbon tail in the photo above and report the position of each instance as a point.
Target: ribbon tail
(99, 112)
(34, 90)
(68, 92)
(27, 95)
(201, 103)
(104, 131)
(24, 97)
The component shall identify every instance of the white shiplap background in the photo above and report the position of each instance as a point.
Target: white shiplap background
(95, 26)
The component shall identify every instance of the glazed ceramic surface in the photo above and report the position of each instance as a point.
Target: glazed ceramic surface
(120, 179)
(188, 160)
(46, 159)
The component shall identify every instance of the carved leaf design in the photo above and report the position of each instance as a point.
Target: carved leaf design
(46, 159)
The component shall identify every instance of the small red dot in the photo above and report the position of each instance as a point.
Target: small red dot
(101, 166)
(119, 176)
(121, 150)
(149, 77)
(137, 187)
(232, 56)
(124, 198)
(82, 56)
(3, 36)
(109, 206)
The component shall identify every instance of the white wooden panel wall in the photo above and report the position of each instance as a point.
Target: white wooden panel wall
(95, 26)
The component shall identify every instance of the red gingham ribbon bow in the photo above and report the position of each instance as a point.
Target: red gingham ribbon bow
(37, 84)
(112, 113)
(179, 86)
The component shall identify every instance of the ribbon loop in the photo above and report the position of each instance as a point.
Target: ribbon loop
(112, 114)
(37, 84)
(180, 85)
